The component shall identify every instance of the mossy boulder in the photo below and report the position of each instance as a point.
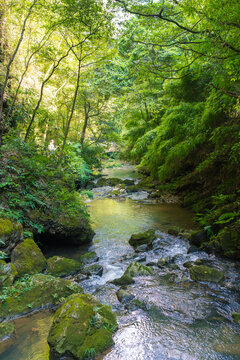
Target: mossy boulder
(7, 329)
(125, 279)
(236, 317)
(94, 269)
(79, 325)
(104, 181)
(132, 188)
(28, 258)
(146, 183)
(8, 274)
(138, 269)
(206, 273)
(61, 266)
(10, 235)
(145, 237)
(35, 292)
(71, 230)
(89, 258)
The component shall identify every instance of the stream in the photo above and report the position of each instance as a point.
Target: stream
(177, 319)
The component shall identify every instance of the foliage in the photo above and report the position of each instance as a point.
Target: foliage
(33, 181)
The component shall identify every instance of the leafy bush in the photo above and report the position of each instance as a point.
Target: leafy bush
(34, 181)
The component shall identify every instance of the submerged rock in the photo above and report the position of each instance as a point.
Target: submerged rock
(35, 292)
(229, 349)
(8, 274)
(6, 330)
(61, 266)
(82, 328)
(10, 235)
(89, 258)
(145, 237)
(28, 258)
(205, 273)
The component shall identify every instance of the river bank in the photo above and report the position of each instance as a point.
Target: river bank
(162, 315)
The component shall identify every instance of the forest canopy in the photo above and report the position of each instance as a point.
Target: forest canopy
(159, 77)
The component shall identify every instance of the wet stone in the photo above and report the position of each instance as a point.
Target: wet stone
(206, 273)
(89, 258)
(124, 296)
(94, 270)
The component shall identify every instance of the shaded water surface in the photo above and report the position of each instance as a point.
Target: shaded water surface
(177, 319)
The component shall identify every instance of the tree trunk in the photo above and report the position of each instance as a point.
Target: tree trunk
(73, 107)
(3, 122)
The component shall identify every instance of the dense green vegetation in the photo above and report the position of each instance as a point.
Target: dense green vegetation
(162, 78)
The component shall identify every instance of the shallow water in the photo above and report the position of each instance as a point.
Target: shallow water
(124, 172)
(179, 320)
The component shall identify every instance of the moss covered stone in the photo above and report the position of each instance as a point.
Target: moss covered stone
(236, 317)
(206, 273)
(73, 229)
(61, 266)
(82, 323)
(35, 292)
(28, 258)
(7, 329)
(8, 274)
(94, 269)
(123, 280)
(10, 235)
(109, 181)
(89, 257)
(138, 269)
(145, 237)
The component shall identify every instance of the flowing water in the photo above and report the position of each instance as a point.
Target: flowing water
(176, 318)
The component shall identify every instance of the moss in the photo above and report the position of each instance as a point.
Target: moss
(6, 227)
(236, 317)
(82, 323)
(28, 258)
(89, 258)
(126, 279)
(35, 292)
(8, 274)
(138, 269)
(94, 270)
(108, 182)
(206, 273)
(10, 235)
(174, 230)
(146, 237)
(6, 330)
(60, 266)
